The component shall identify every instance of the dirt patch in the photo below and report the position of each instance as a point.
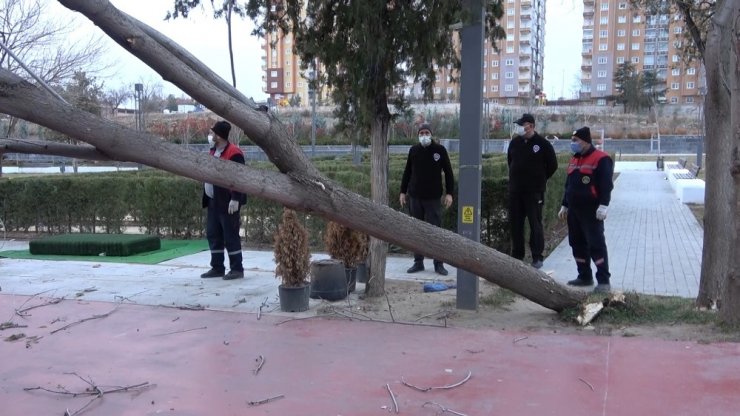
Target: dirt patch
(502, 310)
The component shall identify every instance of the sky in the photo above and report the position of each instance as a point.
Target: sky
(206, 38)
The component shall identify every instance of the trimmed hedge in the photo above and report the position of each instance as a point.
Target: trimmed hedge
(159, 203)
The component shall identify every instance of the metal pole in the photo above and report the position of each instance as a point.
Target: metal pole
(471, 109)
(313, 110)
(38, 79)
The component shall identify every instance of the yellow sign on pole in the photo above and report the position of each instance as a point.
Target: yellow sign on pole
(467, 214)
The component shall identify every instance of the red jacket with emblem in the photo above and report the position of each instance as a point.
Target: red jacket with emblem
(589, 182)
(222, 196)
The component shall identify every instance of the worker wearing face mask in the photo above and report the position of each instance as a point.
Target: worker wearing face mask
(585, 204)
(421, 187)
(222, 222)
(532, 162)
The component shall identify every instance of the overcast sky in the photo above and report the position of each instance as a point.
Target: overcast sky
(206, 38)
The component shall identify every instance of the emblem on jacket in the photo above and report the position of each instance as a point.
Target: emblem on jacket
(436, 157)
(536, 148)
(586, 180)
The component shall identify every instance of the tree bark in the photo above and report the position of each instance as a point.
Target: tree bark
(720, 191)
(44, 147)
(729, 22)
(379, 194)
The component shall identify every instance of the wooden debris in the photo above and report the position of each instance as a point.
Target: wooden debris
(450, 386)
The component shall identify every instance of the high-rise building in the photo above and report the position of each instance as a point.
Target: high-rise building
(615, 33)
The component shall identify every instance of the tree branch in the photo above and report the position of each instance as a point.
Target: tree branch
(44, 147)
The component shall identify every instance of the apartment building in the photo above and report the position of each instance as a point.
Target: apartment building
(513, 75)
(615, 33)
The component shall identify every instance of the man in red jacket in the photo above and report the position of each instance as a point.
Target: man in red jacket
(223, 220)
(588, 190)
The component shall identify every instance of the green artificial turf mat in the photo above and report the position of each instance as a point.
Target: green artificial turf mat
(170, 249)
(85, 244)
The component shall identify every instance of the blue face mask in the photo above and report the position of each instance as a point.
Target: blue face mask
(575, 148)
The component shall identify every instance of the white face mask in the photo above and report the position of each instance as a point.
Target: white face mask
(518, 130)
(210, 139)
(425, 140)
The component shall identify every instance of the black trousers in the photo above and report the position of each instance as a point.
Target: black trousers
(586, 239)
(526, 205)
(429, 210)
(222, 232)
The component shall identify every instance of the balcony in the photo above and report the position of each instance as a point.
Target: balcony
(525, 28)
(587, 52)
(588, 11)
(586, 67)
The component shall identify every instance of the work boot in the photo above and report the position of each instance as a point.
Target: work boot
(580, 282)
(602, 288)
(234, 274)
(417, 267)
(439, 268)
(213, 273)
(537, 264)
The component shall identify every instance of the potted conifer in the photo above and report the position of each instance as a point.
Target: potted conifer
(292, 260)
(348, 246)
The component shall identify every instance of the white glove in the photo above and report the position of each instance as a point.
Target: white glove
(563, 213)
(601, 212)
(233, 206)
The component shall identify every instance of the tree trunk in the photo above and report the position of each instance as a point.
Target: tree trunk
(720, 195)
(730, 312)
(379, 194)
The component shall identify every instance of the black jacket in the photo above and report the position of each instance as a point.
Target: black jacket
(223, 196)
(531, 163)
(422, 177)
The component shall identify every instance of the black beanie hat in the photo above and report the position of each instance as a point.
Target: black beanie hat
(222, 129)
(584, 133)
(425, 126)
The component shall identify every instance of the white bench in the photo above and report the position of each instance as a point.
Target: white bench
(690, 191)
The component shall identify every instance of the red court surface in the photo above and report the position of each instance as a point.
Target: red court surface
(202, 362)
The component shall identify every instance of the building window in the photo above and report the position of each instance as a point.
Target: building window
(635, 32)
(509, 75)
(484, 89)
(437, 90)
(273, 84)
(604, 20)
(510, 49)
(635, 46)
(621, 33)
(494, 63)
(675, 85)
(622, 6)
(674, 100)
(675, 72)
(494, 88)
(601, 74)
(690, 85)
(601, 59)
(485, 77)
(508, 88)
(689, 100)
(510, 12)
(691, 71)
(449, 90)
(622, 19)
(602, 46)
(494, 75)
(509, 62)
(620, 59)
(603, 33)
(601, 101)
(604, 6)
(636, 19)
(273, 74)
(620, 46)
(601, 87)
(677, 29)
(635, 60)
(288, 84)
(510, 24)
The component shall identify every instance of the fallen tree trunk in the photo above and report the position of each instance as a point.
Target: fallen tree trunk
(45, 147)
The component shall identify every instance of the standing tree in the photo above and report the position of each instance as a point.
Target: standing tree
(637, 90)
(113, 98)
(227, 10)
(367, 49)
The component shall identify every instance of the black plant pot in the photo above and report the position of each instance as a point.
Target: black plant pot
(294, 299)
(328, 280)
(363, 272)
(351, 273)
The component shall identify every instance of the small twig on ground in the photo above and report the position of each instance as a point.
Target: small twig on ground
(447, 387)
(263, 305)
(105, 315)
(587, 383)
(121, 299)
(443, 409)
(22, 312)
(519, 339)
(445, 313)
(11, 325)
(186, 307)
(180, 331)
(393, 397)
(32, 340)
(260, 362)
(267, 400)
(475, 351)
(390, 308)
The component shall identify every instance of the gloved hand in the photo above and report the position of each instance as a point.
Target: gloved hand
(233, 206)
(601, 212)
(563, 213)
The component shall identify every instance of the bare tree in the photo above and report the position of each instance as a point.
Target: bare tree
(298, 185)
(43, 46)
(113, 98)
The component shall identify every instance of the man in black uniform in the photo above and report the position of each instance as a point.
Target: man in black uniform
(532, 162)
(586, 200)
(422, 181)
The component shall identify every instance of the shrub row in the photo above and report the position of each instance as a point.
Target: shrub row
(162, 204)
